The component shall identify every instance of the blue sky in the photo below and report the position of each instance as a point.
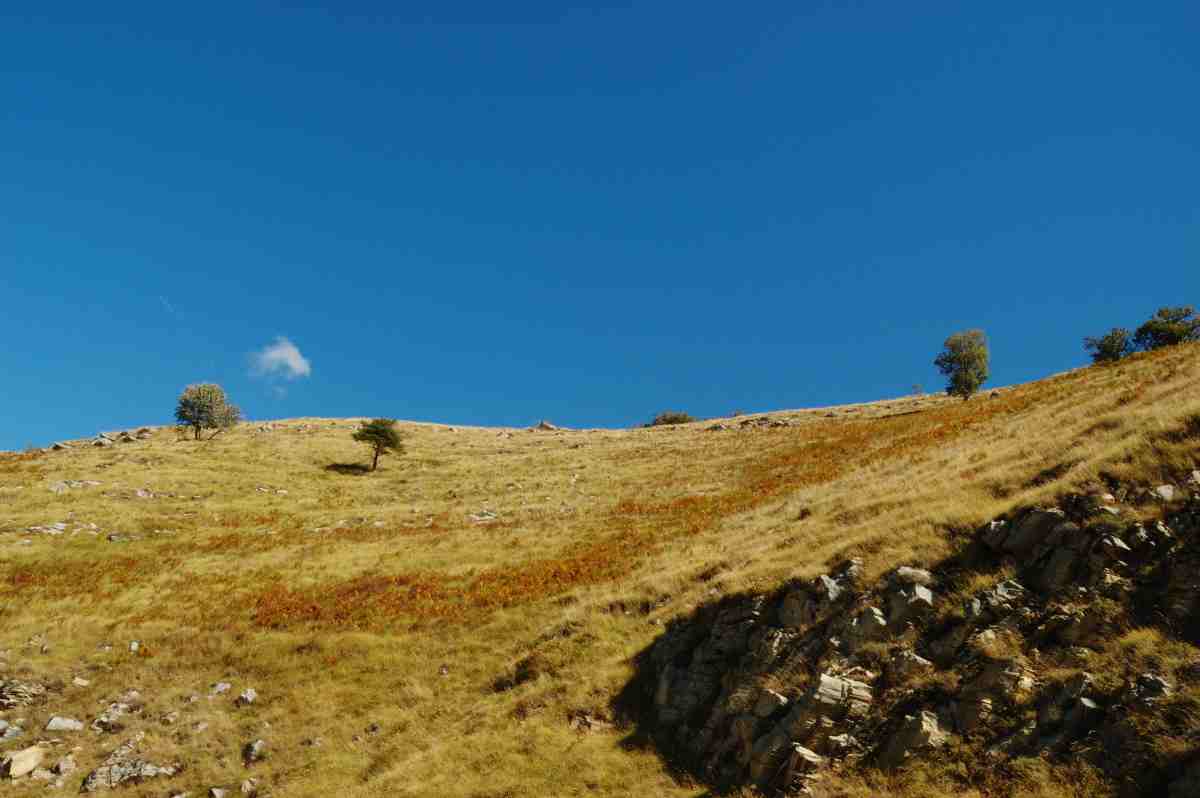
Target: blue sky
(495, 213)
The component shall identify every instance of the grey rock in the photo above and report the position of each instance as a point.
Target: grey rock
(912, 576)
(909, 604)
(801, 761)
(122, 767)
(1148, 689)
(255, 751)
(919, 733)
(868, 626)
(997, 602)
(905, 663)
(1029, 531)
(247, 697)
(58, 724)
(1007, 679)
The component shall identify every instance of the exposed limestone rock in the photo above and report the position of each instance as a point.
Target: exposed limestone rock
(905, 575)
(255, 751)
(814, 643)
(1148, 689)
(1165, 493)
(805, 605)
(57, 724)
(15, 693)
(1021, 537)
(1007, 679)
(868, 626)
(802, 762)
(122, 767)
(908, 604)
(919, 733)
(21, 763)
(997, 602)
(905, 663)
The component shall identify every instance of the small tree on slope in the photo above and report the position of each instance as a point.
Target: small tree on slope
(964, 362)
(205, 406)
(381, 435)
(1110, 347)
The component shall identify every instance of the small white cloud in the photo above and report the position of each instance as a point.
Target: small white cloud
(280, 358)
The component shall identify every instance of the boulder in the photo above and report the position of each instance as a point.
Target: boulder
(996, 602)
(904, 575)
(1147, 689)
(1029, 531)
(1054, 712)
(1008, 679)
(1165, 493)
(255, 751)
(58, 724)
(805, 605)
(867, 627)
(908, 604)
(21, 763)
(918, 733)
(247, 697)
(905, 663)
(801, 762)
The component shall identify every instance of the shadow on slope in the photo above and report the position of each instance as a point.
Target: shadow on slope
(1062, 636)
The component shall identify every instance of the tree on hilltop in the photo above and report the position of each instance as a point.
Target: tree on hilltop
(1167, 327)
(382, 436)
(205, 406)
(964, 362)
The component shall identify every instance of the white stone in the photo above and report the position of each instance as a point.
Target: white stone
(21, 763)
(58, 723)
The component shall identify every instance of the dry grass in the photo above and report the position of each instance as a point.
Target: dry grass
(357, 599)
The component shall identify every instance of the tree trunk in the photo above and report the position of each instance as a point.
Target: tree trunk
(375, 462)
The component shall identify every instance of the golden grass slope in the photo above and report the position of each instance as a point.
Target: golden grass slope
(483, 654)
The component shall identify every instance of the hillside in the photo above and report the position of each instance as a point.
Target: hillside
(492, 613)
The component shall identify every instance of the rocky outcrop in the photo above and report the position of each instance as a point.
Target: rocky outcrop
(123, 767)
(774, 690)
